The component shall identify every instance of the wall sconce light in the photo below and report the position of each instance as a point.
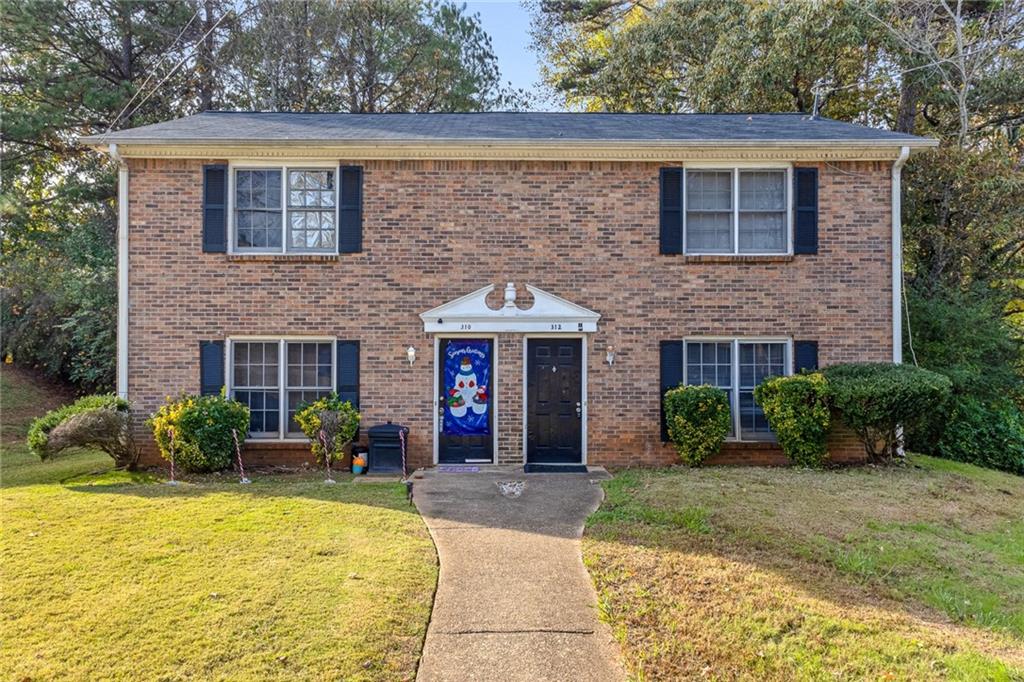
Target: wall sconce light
(609, 356)
(410, 354)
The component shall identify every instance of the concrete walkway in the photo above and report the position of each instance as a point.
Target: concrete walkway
(513, 599)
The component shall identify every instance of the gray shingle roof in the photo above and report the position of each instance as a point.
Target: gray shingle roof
(505, 127)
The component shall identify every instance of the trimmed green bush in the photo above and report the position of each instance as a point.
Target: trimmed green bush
(202, 431)
(987, 434)
(698, 421)
(338, 420)
(877, 399)
(102, 421)
(797, 409)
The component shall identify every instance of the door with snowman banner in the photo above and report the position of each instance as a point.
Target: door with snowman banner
(465, 403)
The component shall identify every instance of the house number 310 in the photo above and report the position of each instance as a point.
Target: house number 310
(465, 327)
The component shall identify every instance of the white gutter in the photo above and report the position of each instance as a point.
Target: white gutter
(897, 256)
(122, 273)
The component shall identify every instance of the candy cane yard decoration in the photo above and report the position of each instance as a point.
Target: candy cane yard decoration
(238, 454)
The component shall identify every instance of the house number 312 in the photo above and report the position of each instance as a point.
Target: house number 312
(555, 327)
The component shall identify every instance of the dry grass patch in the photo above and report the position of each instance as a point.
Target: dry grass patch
(913, 573)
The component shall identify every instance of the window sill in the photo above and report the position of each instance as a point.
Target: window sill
(282, 257)
(739, 258)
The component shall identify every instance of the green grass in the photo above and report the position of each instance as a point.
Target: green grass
(752, 573)
(114, 575)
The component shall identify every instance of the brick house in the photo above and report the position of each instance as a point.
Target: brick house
(514, 287)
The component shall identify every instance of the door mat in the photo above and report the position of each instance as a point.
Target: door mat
(555, 469)
(457, 469)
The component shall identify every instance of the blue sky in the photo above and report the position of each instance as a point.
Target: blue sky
(508, 24)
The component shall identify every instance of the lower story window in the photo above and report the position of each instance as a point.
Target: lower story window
(274, 390)
(737, 366)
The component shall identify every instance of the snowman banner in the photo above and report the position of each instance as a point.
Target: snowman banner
(467, 374)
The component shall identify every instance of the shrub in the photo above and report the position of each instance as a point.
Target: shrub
(338, 420)
(202, 428)
(877, 399)
(797, 409)
(103, 422)
(987, 434)
(698, 421)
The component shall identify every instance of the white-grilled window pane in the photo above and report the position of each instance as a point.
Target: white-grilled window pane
(762, 208)
(311, 225)
(758, 361)
(710, 363)
(310, 375)
(709, 215)
(258, 209)
(255, 384)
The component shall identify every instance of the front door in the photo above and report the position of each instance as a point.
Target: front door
(554, 401)
(465, 402)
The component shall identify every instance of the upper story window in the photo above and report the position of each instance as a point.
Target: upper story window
(736, 211)
(285, 210)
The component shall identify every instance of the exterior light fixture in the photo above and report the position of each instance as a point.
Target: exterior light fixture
(609, 356)
(410, 353)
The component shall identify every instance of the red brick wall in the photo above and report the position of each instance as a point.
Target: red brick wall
(434, 231)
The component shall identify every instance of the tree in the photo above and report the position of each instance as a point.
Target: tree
(366, 56)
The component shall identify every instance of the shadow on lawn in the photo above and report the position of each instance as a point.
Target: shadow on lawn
(153, 484)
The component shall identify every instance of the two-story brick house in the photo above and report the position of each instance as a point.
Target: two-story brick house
(514, 287)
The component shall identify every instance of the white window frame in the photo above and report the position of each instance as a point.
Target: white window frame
(282, 377)
(735, 341)
(283, 167)
(735, 168)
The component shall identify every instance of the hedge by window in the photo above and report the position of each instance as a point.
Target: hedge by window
(267, 200)
(737, 366)
(736, 210)
(272, 389)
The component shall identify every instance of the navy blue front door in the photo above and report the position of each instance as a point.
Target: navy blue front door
(465, 401)
(554, 401)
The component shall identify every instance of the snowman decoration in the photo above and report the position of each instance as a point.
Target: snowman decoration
(466, 394)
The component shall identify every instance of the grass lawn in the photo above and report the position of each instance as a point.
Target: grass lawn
(118, 576)
(910, 572)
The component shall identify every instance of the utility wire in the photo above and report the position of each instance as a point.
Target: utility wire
(184, 59)
(152, 73)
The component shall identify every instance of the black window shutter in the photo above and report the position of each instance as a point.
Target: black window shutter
(215, 194)
(350, 210)
(348, 372)
(211, 367)
(671, 376)
(805, 205)
(671, 210)
(805, 355)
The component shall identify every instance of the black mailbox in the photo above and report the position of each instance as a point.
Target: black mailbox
(385, 454)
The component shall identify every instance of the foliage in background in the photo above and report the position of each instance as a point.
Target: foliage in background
(337, 419)
(99, 421)
(199, 430)
(797, 409)
(878, 399)
(77, 67)
(986, 433)
(698, 419)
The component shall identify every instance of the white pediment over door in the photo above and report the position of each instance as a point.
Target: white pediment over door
(470, 313)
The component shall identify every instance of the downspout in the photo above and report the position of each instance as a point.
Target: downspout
(897, 256)
(122, 272)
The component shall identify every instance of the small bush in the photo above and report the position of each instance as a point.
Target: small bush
(987, 434)
(797, 409)
(698, 421)
(338, 420)
(876, 399)
(202, 427)
(103, 422)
